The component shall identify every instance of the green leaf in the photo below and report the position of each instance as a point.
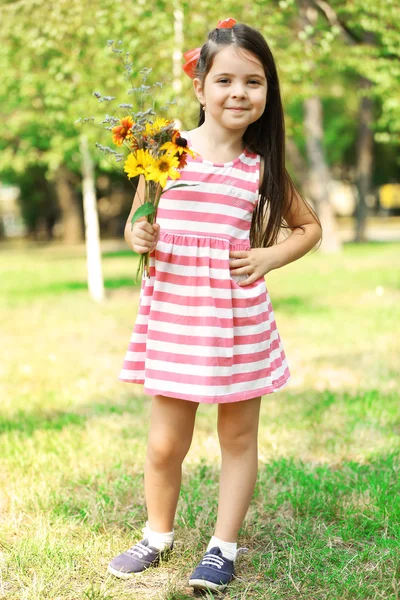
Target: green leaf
(143, 211)
(173, 187)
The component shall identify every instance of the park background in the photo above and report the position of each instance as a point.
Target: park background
(324, 522)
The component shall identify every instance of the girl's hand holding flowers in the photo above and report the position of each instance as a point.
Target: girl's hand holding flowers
(254, 263)
(144, 236)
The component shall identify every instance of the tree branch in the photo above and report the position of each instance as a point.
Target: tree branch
(333, 19)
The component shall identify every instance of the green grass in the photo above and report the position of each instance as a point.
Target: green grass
(325, 519)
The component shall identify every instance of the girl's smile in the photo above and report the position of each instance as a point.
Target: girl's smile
(234, 91)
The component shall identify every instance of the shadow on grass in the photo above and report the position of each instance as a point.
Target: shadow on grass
(74, 286)
(369, 244)
(329, 525)
(298, 304)
(119, 254)
(350, 502)
(352, 410)
(329, 528)
(27, 422)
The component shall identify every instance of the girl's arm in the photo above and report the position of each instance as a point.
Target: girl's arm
(306, 233)
(142, 237)
(257, 262)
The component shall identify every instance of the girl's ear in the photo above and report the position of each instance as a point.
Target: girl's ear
(198, 89)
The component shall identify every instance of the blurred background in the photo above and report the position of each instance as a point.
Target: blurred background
(339, 67)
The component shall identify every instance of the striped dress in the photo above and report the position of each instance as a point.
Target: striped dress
(199, 336)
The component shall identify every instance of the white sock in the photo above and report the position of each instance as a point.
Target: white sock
(228, 549)
(161, 541)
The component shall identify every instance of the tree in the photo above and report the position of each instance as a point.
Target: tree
(373, 28)
(52, 60)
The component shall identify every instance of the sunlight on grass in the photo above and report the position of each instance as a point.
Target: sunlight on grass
(324, 522)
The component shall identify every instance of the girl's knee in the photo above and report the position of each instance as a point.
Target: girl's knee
(164, 450)
(236, 439)
(238, 426)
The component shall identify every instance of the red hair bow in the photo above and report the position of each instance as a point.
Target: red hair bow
(226, 23)
(192, 56)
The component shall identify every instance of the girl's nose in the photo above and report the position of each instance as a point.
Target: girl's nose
(238, 92)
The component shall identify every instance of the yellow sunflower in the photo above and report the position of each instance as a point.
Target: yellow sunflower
(138, 163)
(164, 167)
(153, 129)
(122, 131)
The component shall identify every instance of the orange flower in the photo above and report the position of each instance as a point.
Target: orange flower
(182, 160)
(120, 132)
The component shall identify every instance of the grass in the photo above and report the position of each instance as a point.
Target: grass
(324, 521)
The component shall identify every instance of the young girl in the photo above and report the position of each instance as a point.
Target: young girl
(205, 330)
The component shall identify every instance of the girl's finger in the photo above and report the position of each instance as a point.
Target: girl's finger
(141, 244)
(241, 271)
(238, 262)
(143, 235)
(140, 249)
(250, 279)
(238, 254)
(157, 232)
(144, 226)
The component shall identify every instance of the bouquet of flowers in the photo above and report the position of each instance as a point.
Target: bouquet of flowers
(150, 146)
(156, 150)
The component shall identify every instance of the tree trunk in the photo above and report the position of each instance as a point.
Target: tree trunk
(319, 175)
(365, 134)
(365, 143)
(92, 237)
(177, 54)
(68, 201)
(178, 45)
(297, 162)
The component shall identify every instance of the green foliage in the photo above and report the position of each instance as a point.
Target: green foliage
(54, 56)
(146, 209)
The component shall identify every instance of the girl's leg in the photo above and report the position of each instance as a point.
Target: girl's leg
(170, 436)
(238, 436)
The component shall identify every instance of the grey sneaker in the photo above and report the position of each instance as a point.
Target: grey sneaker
(137, 559)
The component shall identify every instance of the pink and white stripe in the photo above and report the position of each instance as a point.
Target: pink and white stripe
(199, 336)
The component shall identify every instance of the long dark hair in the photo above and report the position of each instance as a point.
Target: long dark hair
(265, 137)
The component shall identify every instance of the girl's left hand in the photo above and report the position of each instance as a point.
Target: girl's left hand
(254, 263)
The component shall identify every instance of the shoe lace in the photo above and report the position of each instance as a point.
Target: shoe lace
(138, 550)
(213, 560)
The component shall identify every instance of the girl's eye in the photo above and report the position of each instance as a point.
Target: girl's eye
(251, 81)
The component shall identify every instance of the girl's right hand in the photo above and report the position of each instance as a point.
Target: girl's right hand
(144, 236)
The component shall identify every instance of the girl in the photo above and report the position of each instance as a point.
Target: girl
(205, 330)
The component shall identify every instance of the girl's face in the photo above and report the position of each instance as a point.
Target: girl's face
(234, 90)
